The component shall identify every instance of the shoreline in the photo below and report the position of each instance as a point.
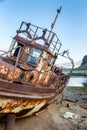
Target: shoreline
(79, 74)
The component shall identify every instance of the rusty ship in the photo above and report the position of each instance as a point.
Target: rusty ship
(29, 78)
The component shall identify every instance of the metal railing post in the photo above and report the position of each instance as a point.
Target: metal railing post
(16, 63)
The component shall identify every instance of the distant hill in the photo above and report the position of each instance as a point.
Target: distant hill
(83, 63)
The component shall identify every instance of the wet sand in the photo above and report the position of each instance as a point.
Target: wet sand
(52, 118)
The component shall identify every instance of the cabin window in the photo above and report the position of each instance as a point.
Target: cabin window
(52, 61)
(34, 56)
(17, 49)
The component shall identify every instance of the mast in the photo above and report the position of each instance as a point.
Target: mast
(52, 26)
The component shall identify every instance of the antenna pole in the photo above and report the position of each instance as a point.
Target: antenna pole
(52, 26)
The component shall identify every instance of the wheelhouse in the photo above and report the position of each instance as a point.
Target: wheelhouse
(29, 52)
(32, 55)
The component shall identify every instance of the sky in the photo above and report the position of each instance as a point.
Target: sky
(71, 25)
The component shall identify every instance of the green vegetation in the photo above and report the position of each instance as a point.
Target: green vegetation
(79, 72)
(78, 89)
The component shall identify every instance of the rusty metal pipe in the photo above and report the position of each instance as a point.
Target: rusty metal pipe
(10, 122)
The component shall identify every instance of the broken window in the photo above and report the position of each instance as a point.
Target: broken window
(19, 45)
(34, 56)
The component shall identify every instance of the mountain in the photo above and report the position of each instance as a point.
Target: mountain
(83, 64)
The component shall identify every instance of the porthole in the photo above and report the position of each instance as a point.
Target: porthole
(31, 77)
(22, 75)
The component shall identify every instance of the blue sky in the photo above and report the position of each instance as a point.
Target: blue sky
(71, 25)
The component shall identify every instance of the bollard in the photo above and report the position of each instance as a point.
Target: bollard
(10, 122)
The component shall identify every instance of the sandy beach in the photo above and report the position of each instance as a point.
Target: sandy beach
(52, 118)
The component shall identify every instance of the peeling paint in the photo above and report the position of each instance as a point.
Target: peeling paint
(16, 106)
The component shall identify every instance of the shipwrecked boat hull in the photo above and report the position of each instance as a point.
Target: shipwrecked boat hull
(21, 108)
(23, 97)
(24, 100)
(29, 77)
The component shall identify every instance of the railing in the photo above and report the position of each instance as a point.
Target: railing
(33, 33)
(58, 76)
(64, 54)
(16, 60)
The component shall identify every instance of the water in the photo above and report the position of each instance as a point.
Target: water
(79, 81)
